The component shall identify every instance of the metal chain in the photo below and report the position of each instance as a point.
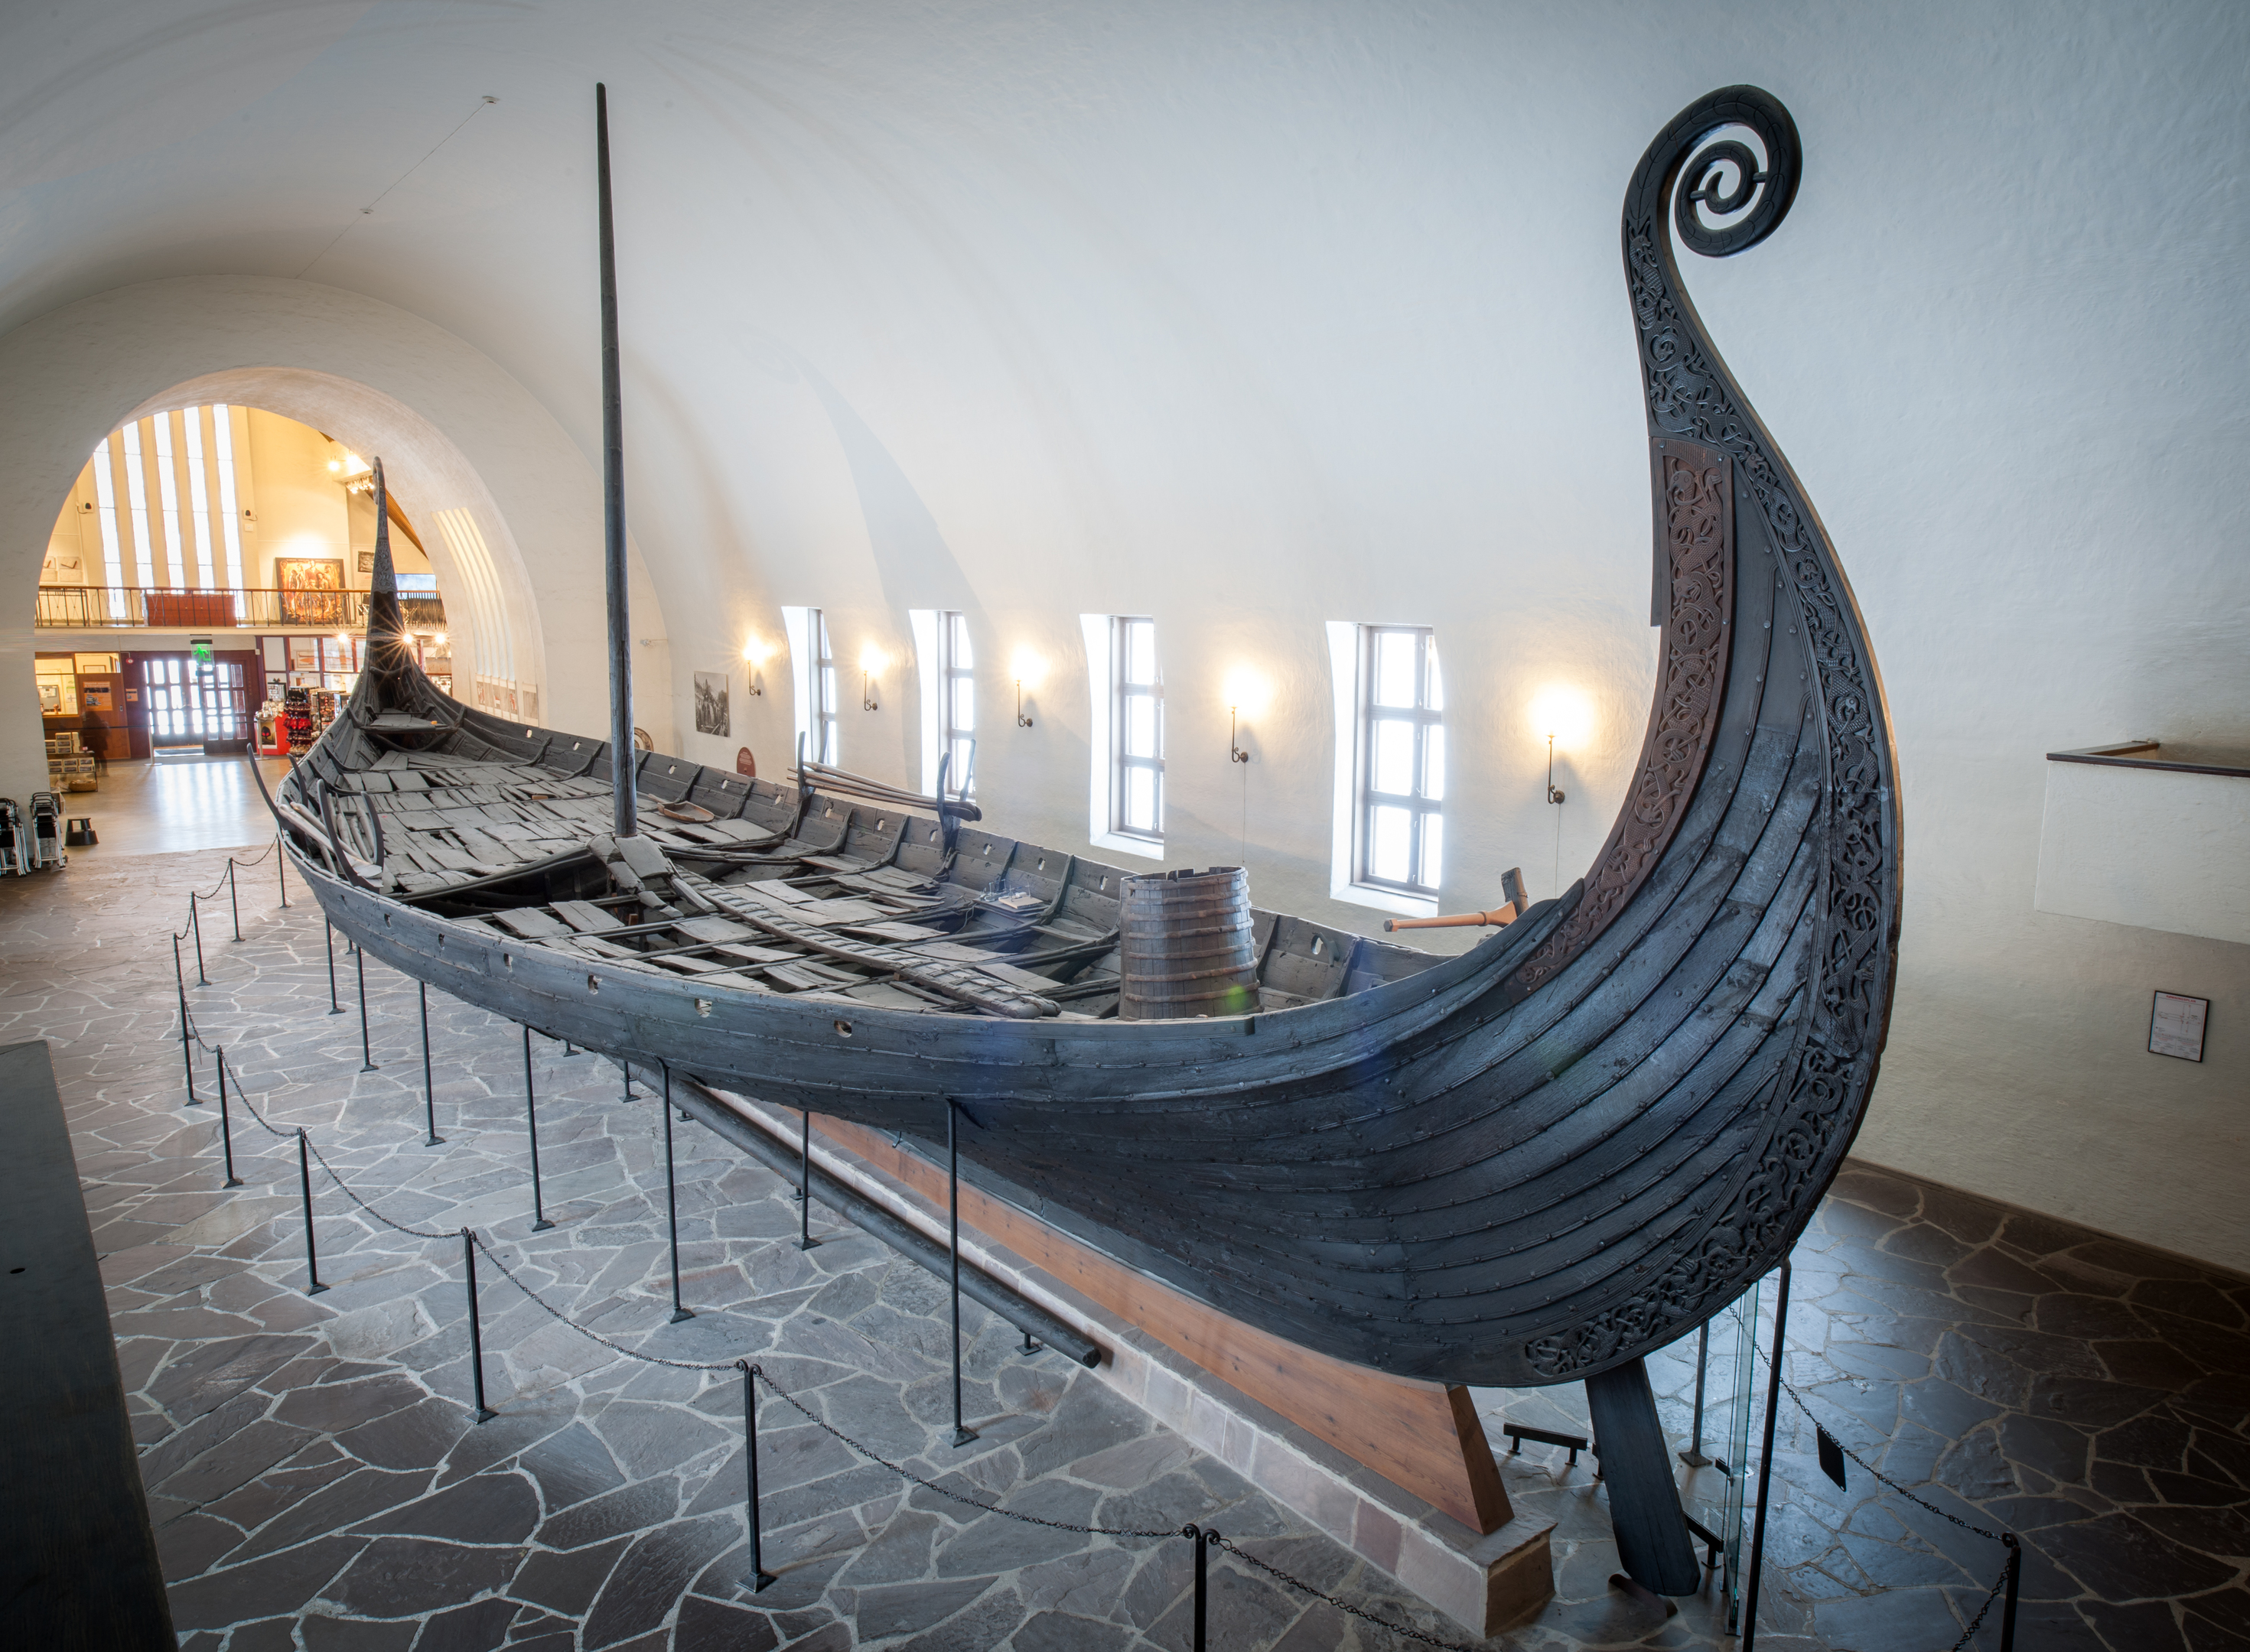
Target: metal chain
(418, 1233)
(562, 1318)
(798, 1405)
(1790, 1389)
(1978, 1622)
(1266, 1566)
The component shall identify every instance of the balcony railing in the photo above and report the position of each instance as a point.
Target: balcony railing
(115, 607)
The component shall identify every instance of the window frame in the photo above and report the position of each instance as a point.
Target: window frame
(826, 739)
(1422, 716)
(1124, 763)
(952, 635)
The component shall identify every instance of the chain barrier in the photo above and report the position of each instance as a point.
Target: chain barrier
(1194, 1534)
(1790, 1389)
(927, 1484)
(1978, 1622)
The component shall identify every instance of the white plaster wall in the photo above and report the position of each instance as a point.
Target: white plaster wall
(1257, 316)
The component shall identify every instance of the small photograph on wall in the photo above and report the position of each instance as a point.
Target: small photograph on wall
(312, 589)
(366, 562)
(711, 714)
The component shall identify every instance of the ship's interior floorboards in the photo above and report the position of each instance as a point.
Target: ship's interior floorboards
(316, 1481)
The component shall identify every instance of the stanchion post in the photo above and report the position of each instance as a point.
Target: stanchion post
(624, 1069)
(485, 1413)
(280, 868)
(196, 922)
(962, 1433)
(2008, 1608)
(233, 898)
(1693, 1456)
(187, 1045)
(305, 1180)
(804, 1193)
(429, 1084)
(330, 930)
(1765, 1459)
(366, 1047)
(759, 1578)
(225, 1129)
(1200, 1541)
(672, 1202)
(539, 1222)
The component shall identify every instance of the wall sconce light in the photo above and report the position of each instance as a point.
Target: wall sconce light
(1566, 718)
(872, 661)
(754, 654)
(1246, 692)
(1235, 754)
(1031, 669)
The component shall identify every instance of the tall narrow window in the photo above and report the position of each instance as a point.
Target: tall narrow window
(229, 504)
(112, 553)
(956, 689)
(1136, 730)
(1402, 759)
(823, 691)
(199, 498)
(136, 497)
(168, 493)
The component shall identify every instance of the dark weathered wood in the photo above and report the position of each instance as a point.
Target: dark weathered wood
(624, 822)
(1651, 1532)
(76, 1558)
(1529, 1163)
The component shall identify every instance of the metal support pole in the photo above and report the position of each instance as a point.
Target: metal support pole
(280, 867)
(759, 1577)
(1030, 1347)
(539, 1222)
(1203, 1541)
(225, 1129)
(196, 922)
(624, 1067)
(672, 1202)
(305, 1180)
(366, 1049)
(233, 898)
(334, 1008)
(187, 1048)
(1765, 1459)
(803, 1194)
(485, 1413)
(1693, 1456)
(429, 1084)
(962, 1433)
(2015, 1576)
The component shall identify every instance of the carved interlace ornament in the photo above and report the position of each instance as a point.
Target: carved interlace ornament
(1821, 1091)
(1699, 529)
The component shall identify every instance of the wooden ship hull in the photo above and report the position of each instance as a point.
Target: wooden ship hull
(1528, 1163)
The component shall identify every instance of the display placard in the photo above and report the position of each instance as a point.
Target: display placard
(2176, 1024)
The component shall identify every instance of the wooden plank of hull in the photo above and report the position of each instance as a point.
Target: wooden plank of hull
(1424, 1437)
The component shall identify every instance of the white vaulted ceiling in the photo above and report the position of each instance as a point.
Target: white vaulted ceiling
(1255, 316)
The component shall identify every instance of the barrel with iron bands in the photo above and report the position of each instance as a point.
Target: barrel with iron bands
(1185, 947)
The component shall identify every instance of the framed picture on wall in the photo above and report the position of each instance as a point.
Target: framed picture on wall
(312, 589)
(366, 562)
(712, 716)
(2176, 1023)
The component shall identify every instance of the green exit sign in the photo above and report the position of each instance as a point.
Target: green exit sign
(201, 648)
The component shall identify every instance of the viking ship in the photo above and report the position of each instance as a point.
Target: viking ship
(1530, 1163)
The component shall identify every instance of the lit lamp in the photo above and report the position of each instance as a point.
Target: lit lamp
(1565, 716)
(1248, 694)
(872, 662)
(1030, 669)
(755, 655)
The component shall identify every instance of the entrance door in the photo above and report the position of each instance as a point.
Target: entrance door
(193, 701)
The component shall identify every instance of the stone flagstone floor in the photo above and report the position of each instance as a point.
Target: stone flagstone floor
(317, 1481)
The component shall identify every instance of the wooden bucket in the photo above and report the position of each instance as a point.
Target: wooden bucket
(1185, 947)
